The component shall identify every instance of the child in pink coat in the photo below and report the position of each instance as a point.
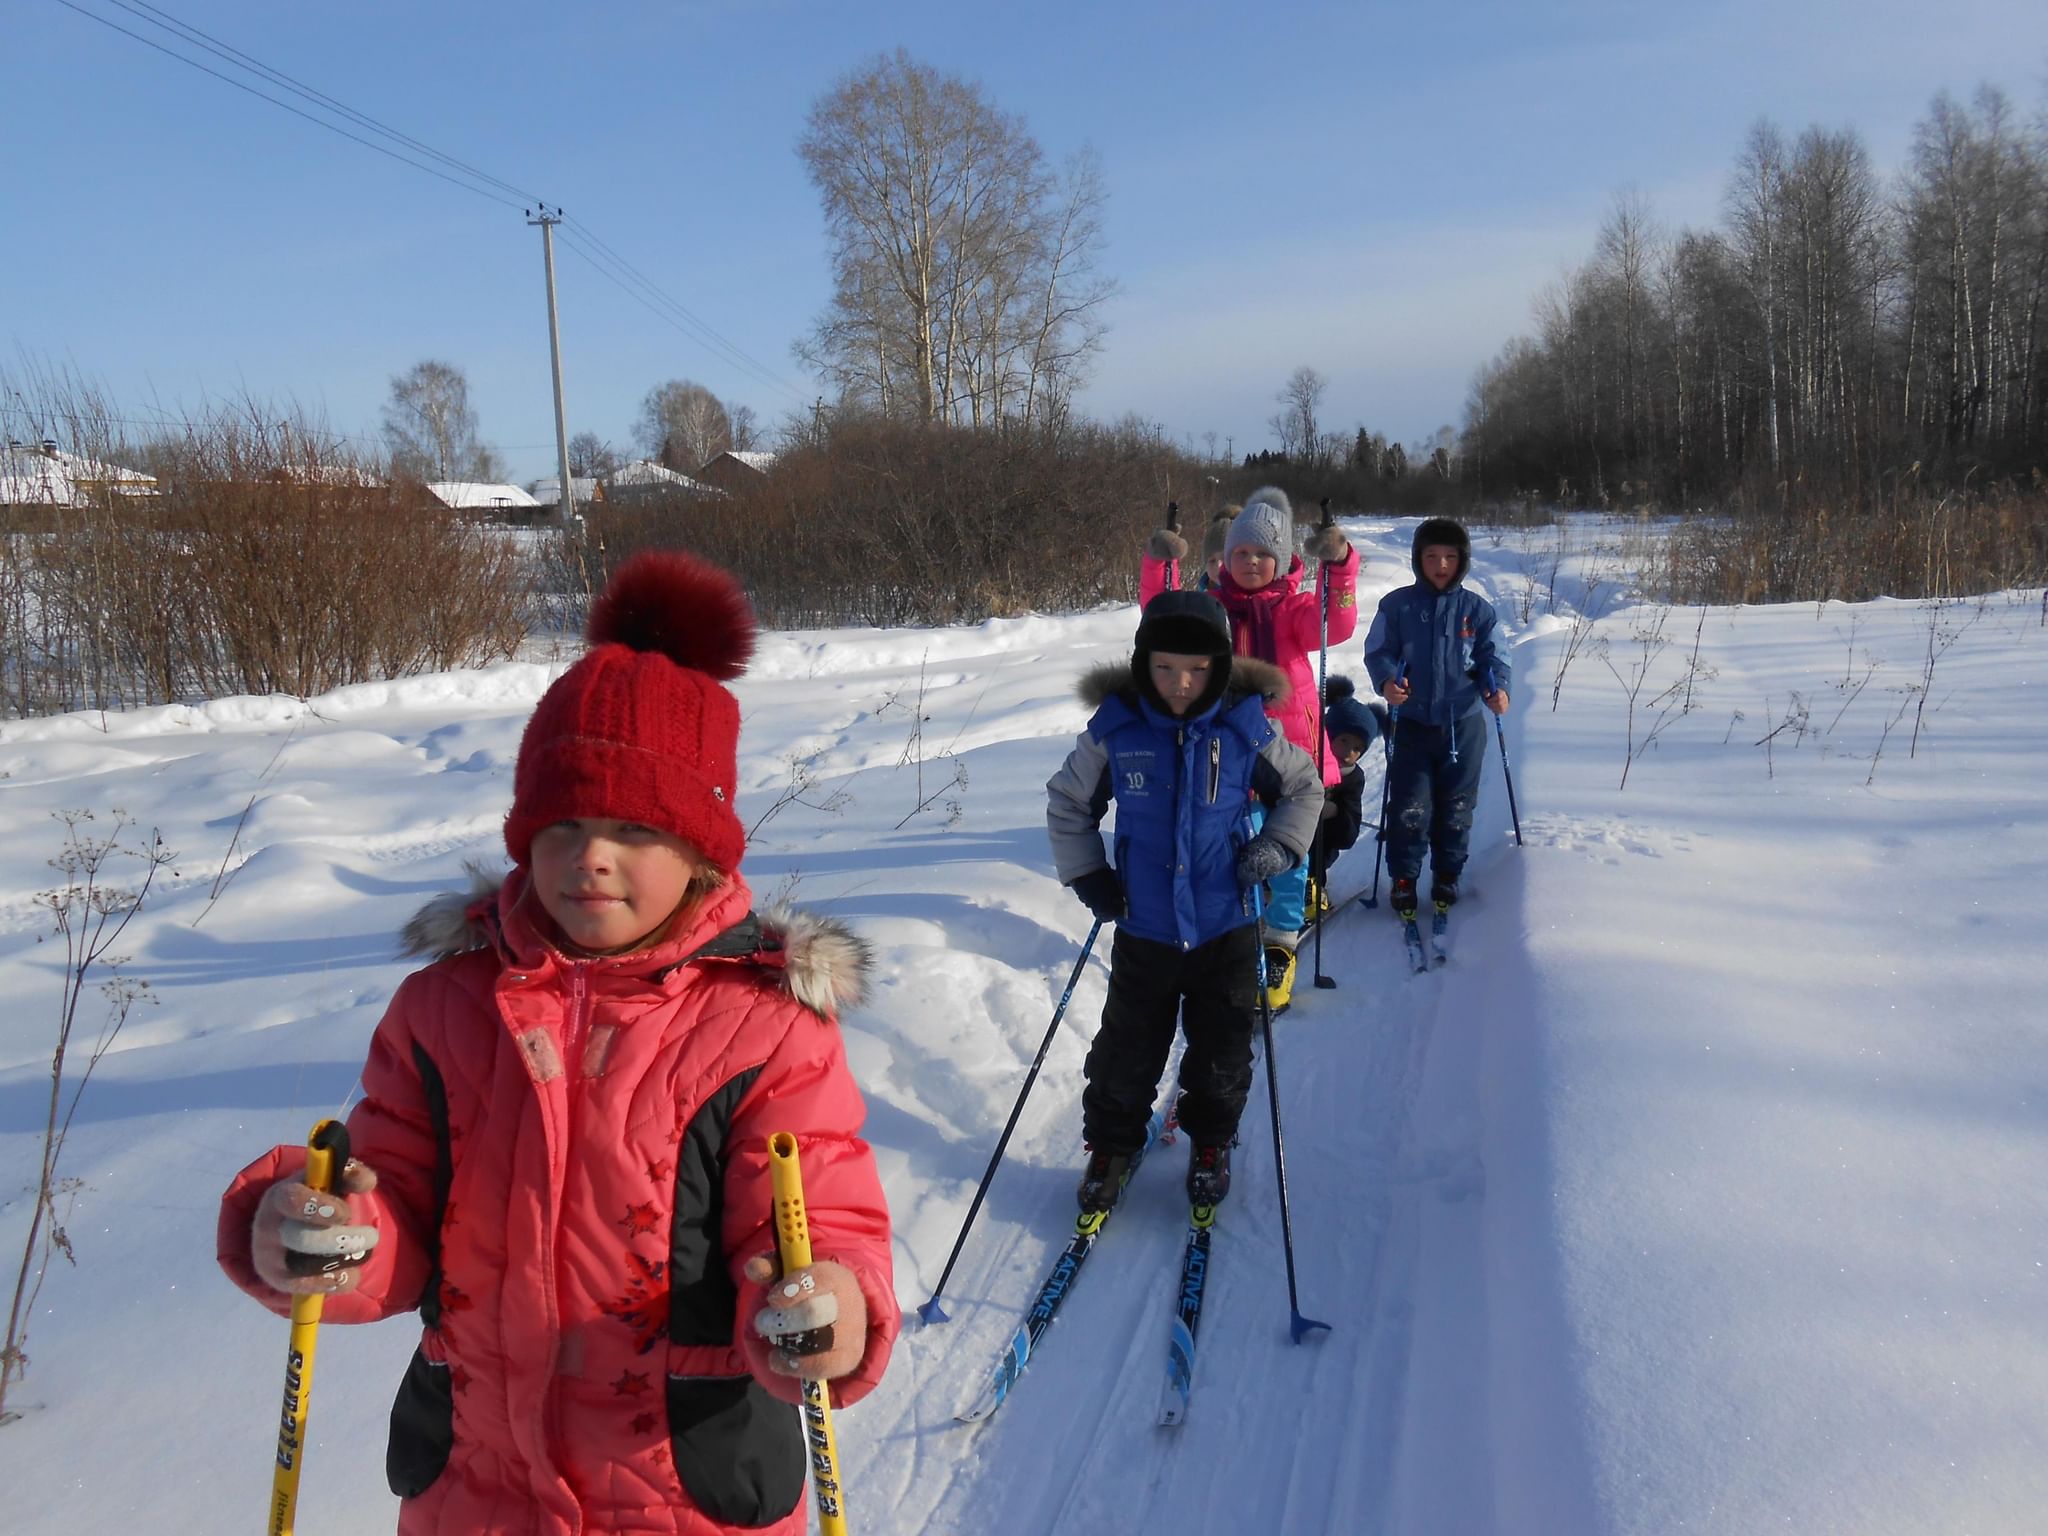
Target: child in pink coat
(1276, 615)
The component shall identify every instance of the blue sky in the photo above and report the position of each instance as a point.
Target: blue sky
(1374, 189)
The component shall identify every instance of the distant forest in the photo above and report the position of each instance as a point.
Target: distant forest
(1837, 338)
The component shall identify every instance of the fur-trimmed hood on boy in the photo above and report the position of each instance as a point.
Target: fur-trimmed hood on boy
(1248, 676)
(1184, 790)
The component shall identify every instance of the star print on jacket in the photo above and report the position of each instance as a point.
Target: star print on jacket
(644, 1307)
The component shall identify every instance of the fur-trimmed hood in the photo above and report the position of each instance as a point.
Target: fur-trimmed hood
(821, 962)
(1248, 675)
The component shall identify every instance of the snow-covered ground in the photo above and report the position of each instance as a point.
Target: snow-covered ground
(1704, 1191)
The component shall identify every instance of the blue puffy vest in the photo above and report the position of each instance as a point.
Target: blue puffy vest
(1183, 792)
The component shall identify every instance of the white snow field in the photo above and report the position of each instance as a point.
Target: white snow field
(1706, 1189)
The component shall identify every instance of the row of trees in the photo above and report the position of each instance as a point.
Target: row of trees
(431, 433)
(1834, 330)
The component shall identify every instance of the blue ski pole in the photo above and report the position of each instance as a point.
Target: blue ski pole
(1500, 735)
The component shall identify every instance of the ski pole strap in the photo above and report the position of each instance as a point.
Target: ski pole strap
(793, 1243)
(326, 1156)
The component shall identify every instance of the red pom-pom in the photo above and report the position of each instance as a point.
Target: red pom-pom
(691, 612)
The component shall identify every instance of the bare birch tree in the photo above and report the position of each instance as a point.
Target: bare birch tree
(964, 277)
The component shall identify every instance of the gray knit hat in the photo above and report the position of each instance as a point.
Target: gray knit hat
(1267, 522)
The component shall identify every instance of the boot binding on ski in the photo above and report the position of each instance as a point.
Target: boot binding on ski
(1208, 1173)
(1102, 1182)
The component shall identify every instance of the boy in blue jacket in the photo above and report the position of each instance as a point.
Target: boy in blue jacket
(1180, 740)
(1431, 655)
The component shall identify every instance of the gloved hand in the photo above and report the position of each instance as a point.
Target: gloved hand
(1329, 545)
(303, 1242)
(1101, 893)
(1261, 859)
(1165, 544)
(1173, 516)
(811, 1322)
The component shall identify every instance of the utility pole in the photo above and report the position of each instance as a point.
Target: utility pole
(547, 222)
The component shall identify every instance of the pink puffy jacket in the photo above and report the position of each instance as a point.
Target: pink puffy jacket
(572, 1172)
(1282, 623)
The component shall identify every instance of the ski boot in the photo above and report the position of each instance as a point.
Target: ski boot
(1208, 1172)
(1318, 903)
(1443, 892)
(1403, 899)
(1102, 1182)
(1279, 976)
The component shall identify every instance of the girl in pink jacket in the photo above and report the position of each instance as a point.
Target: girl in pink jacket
(560, 1157)
(1276, 618)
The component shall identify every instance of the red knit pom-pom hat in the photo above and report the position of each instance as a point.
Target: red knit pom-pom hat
(639, 729)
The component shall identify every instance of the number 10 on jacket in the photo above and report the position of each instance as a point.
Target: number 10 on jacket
(793, 1241)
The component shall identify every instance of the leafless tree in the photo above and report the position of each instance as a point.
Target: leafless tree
(590, 454)
(683, 425)
(964, 279)
(1295, 424)
(430, 428)
(745, 427)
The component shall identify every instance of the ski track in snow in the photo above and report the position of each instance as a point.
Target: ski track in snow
(1543, 1296)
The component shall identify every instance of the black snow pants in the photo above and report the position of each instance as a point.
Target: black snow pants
(1213, 990)
(1432, 787)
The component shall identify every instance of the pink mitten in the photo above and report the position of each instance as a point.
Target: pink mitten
(302, 1241)
(813, 1323)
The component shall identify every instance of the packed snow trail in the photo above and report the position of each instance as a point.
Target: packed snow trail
(1699, 1192)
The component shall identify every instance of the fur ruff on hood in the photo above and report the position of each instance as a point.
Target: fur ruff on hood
(1248, 675)
(825, 964)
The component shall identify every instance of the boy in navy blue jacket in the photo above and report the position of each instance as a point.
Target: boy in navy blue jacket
(1180, 740)
(1431, 655)
(1353, 726)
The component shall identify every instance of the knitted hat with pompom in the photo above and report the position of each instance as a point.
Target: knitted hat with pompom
(639, 729)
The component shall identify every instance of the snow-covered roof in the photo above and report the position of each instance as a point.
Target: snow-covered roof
(42, 474)
(464, 494)
(756, 459)
(643, 474)
(549, 490)
(327, 474)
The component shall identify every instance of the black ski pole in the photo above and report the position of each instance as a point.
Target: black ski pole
(1500, 734)
(1173, 566)
(1320, 874)
(931, 1311)
(1297, 1326)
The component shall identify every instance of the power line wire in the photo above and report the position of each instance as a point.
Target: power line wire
(663, 304)
(230, 53)
(661, 307)
(287, 106)
(772, 378)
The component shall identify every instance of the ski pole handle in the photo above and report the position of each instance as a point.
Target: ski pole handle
(793, 1243)
(326, 1156)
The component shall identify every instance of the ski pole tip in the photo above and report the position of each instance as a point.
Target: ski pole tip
(1301, 1327)
(931, 1312)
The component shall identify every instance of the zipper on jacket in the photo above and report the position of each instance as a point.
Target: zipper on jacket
(1215, 767)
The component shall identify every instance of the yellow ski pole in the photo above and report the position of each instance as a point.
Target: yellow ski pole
(793, 1240)
(326, 1156)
